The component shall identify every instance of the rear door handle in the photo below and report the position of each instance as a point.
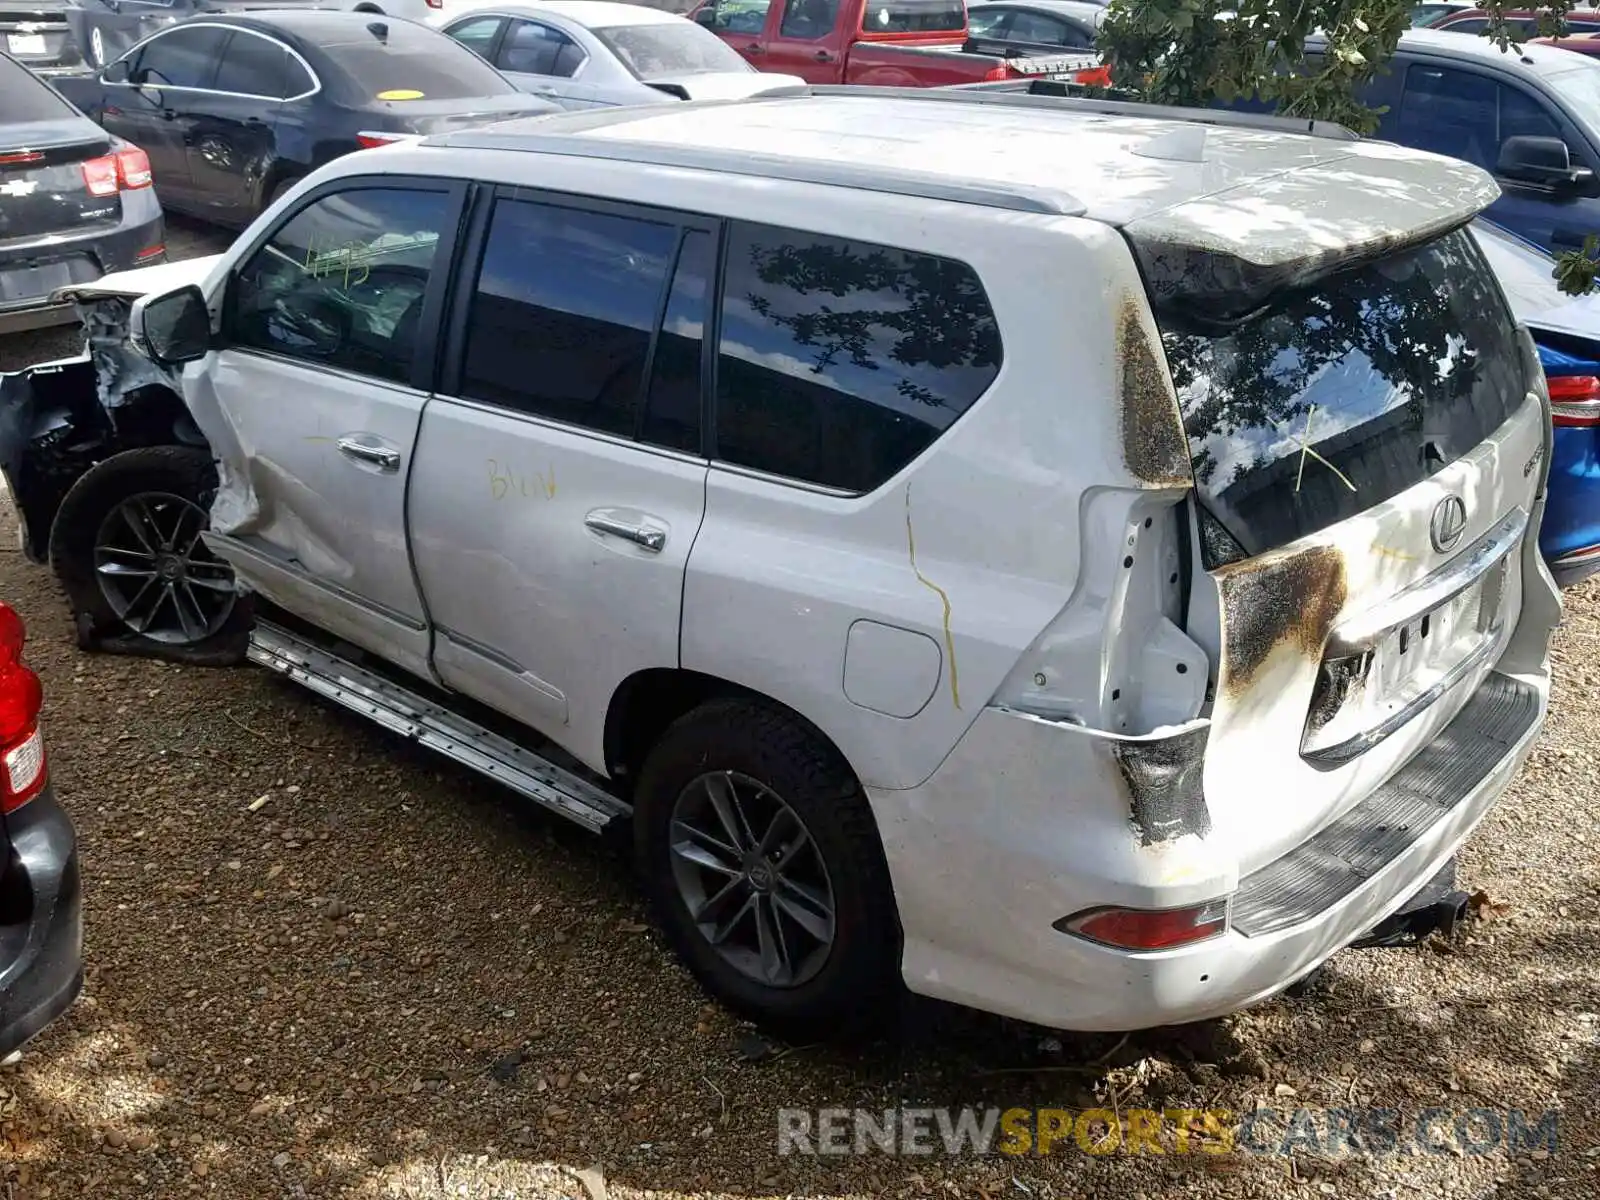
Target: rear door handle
(643, 536)
(822, 56)
(381, 457)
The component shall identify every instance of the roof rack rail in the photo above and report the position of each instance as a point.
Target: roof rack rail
(1062, 94)
(891, 180)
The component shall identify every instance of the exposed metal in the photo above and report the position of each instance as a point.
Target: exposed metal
(406, 712)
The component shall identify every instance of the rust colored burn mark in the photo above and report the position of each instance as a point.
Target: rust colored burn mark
(1288, 599)
(1153, 443)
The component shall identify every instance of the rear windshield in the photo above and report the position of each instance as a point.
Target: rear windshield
(24, 98)
(650, 51)
(1338, 397)
(410, 63)
(914, 16)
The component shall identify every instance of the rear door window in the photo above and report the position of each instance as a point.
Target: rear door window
(562, 318)
(531, 48)
(252, 66)
(840, 361)
(1338, 397)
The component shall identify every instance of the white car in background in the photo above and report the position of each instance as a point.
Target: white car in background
(598, 54)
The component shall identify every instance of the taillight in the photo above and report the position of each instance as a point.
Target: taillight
(22, 765)
(1093, 77)
(124, 171)
(435, 3)
(997, 73)
(1574, 400)
(368, 141)
(1148, 929)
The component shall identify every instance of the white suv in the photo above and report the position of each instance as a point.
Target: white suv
(1071, 559)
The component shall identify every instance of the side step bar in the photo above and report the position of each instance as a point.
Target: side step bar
(429, 724)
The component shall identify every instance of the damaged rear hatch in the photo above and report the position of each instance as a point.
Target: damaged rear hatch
(1368, 442)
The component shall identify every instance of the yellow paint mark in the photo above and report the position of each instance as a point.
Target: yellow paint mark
(1389, 552)
(1306, 450)
(549, 484)
(499, 484)
(400, 94)
(949, 641)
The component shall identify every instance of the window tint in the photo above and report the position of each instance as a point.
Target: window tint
(672, 411)
(1523, 116)
(297, 81)
(185, 58)
(23, 97)
(1451, 113)
(1340, 396)
(477, 34)
(341, 284)
(532, 49)
(913, 16)
(738, 16)
(809, 19)
(561, 319)
(252, 66)
(841, 361)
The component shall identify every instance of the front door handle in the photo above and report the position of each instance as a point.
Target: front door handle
(822, 56)
(755, 48)
(640, 535)
(381, 457)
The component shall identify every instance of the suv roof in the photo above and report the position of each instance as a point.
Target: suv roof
(1466, 47)
(1238, 186)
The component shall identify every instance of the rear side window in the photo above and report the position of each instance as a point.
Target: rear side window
(410, 62)
(1341, 396)
(25, 98)
(841, 361)
(577, 293)
(533, 49)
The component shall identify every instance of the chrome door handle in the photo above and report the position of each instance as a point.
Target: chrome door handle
(649, 539)
(380, 457)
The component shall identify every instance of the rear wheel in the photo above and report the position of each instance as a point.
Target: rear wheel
(763, 862)
(126, 546)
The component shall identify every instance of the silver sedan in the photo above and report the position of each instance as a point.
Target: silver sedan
(595, 53)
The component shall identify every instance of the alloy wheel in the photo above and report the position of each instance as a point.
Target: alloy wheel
(156, 573)
(752, 879)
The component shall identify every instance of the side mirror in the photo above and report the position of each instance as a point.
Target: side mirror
(1545, 161)
(116, 72)
(706, 16)
(172, 328)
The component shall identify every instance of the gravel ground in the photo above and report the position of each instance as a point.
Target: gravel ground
(322, 963)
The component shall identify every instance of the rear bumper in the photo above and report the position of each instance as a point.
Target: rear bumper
(41, 921)
(1024, 825)
(31, 269)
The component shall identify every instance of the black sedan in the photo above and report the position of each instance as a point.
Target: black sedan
(75, 202)
(233, 109)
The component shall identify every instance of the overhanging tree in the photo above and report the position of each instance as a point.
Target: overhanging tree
(1192, 52)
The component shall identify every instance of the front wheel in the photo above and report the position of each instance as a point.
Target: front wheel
(764, 864)
(126, 546)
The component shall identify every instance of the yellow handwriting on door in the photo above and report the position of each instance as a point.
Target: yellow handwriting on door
(504, 482)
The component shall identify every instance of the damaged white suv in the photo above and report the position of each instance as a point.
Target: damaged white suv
(1096, 594)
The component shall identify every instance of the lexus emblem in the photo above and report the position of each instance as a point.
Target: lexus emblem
(1448, 524)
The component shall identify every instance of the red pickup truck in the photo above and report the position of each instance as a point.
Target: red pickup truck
(891, 43)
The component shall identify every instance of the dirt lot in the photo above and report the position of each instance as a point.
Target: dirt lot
(393, 980)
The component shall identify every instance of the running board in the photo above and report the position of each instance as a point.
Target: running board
(398, 708)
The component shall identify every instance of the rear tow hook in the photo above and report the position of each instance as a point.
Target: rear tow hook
(1438, 907)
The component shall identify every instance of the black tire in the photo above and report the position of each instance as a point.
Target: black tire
(181, 471)
(858, 982)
